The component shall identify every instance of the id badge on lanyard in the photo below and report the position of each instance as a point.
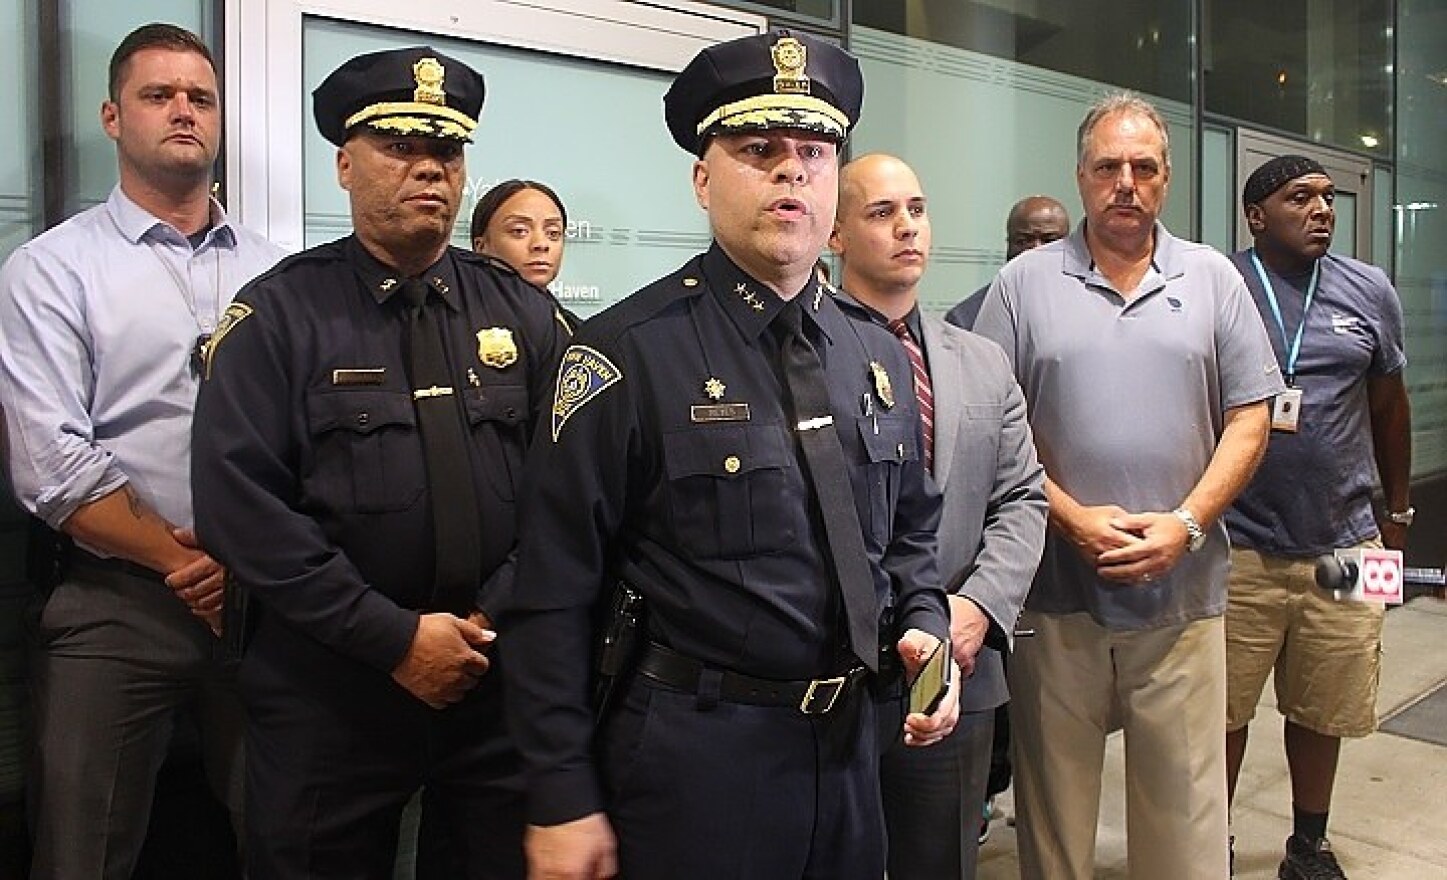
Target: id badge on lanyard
(1286, 406)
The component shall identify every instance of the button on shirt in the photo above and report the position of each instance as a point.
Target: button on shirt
(309, 470)
(99, 319)
(674, 466)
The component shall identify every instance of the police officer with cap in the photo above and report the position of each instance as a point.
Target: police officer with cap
(359, 441)
(742, 450)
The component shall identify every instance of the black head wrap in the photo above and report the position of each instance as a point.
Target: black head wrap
(1274, 174)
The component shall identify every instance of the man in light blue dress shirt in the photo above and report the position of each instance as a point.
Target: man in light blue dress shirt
(103, 324)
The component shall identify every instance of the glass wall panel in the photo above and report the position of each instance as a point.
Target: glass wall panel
(1344, 238)
(592, 131)
(1383, 222)
(1321, 69)
(1136, 44)
(17, 198)
(1422, 223)
(825, 12)
(19, 212)
(1218, 182)
(91, 29)
(982, 133)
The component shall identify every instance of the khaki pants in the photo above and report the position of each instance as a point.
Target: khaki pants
(1076, 681)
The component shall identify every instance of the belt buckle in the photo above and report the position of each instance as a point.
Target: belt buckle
(832, 686)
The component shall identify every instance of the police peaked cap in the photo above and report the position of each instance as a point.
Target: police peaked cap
(417, 92)
(780, 79)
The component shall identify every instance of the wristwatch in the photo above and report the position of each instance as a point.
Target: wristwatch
(1402, 517)
(1195, 535)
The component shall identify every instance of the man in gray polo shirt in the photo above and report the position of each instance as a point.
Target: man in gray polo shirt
(1146, 371)
(1337, 327)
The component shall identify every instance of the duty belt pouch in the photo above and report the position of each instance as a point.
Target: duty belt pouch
(238, 621)
(619, 643)
(890, 666)
(47, 555)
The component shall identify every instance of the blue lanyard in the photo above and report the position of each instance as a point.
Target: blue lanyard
(1294, 347)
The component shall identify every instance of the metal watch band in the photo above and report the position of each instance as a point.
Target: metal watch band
(1195, 535)
(1402, 517)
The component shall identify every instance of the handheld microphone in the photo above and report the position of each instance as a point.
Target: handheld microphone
(1370, 574)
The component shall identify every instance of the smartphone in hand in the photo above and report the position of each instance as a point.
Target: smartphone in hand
(933, 681)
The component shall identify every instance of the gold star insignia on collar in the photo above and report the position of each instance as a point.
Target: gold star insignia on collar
(440, 285)
(388, 284)
(749, 296)
(714, 388)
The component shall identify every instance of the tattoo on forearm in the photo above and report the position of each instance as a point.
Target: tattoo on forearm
(140, 509)
(137, 506)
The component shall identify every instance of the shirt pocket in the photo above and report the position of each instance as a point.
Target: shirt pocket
(888, 442)
(729, 491)
(498, 418)
(367, 451)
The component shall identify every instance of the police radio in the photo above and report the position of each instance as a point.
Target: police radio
(1363, 574)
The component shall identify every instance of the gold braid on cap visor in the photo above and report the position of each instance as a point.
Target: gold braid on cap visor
(778, 111)
(412, 109)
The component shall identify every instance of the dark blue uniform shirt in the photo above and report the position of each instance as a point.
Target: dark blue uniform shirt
(308, 470)
(668, 460)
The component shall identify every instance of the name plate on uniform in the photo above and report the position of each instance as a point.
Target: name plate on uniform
(719, 412)
(370, 376)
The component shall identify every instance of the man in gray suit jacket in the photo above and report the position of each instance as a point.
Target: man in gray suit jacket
(978, 445)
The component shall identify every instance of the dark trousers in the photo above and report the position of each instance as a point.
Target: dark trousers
(335, 750)
(742, 792)
(116, 657)
(933, 797)
(1000, 753)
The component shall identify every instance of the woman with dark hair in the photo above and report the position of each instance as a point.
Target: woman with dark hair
(523, 223)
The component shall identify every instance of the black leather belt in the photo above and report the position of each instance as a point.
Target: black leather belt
(812, 697)
(85, 559)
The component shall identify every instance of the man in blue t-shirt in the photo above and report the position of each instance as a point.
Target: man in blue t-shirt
(1336, 326)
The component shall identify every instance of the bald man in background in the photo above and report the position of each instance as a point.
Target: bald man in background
(992, 525)
(1033, 221)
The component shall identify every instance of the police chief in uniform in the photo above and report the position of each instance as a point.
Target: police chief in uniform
(767, 515)
(359, 442)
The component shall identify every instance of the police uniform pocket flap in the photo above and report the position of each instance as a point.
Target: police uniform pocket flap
(362, 412)
(497, 403)
(889, 438)
(725, 451)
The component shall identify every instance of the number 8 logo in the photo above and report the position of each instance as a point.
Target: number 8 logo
(1379, 577)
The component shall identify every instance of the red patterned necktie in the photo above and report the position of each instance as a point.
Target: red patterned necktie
(922, 389)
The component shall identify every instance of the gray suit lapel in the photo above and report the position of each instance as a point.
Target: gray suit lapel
(946, 380)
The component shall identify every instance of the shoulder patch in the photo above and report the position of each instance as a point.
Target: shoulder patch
(235, 313)
(583, 374)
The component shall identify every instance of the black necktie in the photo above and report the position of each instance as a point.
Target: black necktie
(455, 527)
(828, 473)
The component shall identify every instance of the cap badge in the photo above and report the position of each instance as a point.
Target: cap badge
(790, 55)
(882, 386)
(429, 73)
(495, 347)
